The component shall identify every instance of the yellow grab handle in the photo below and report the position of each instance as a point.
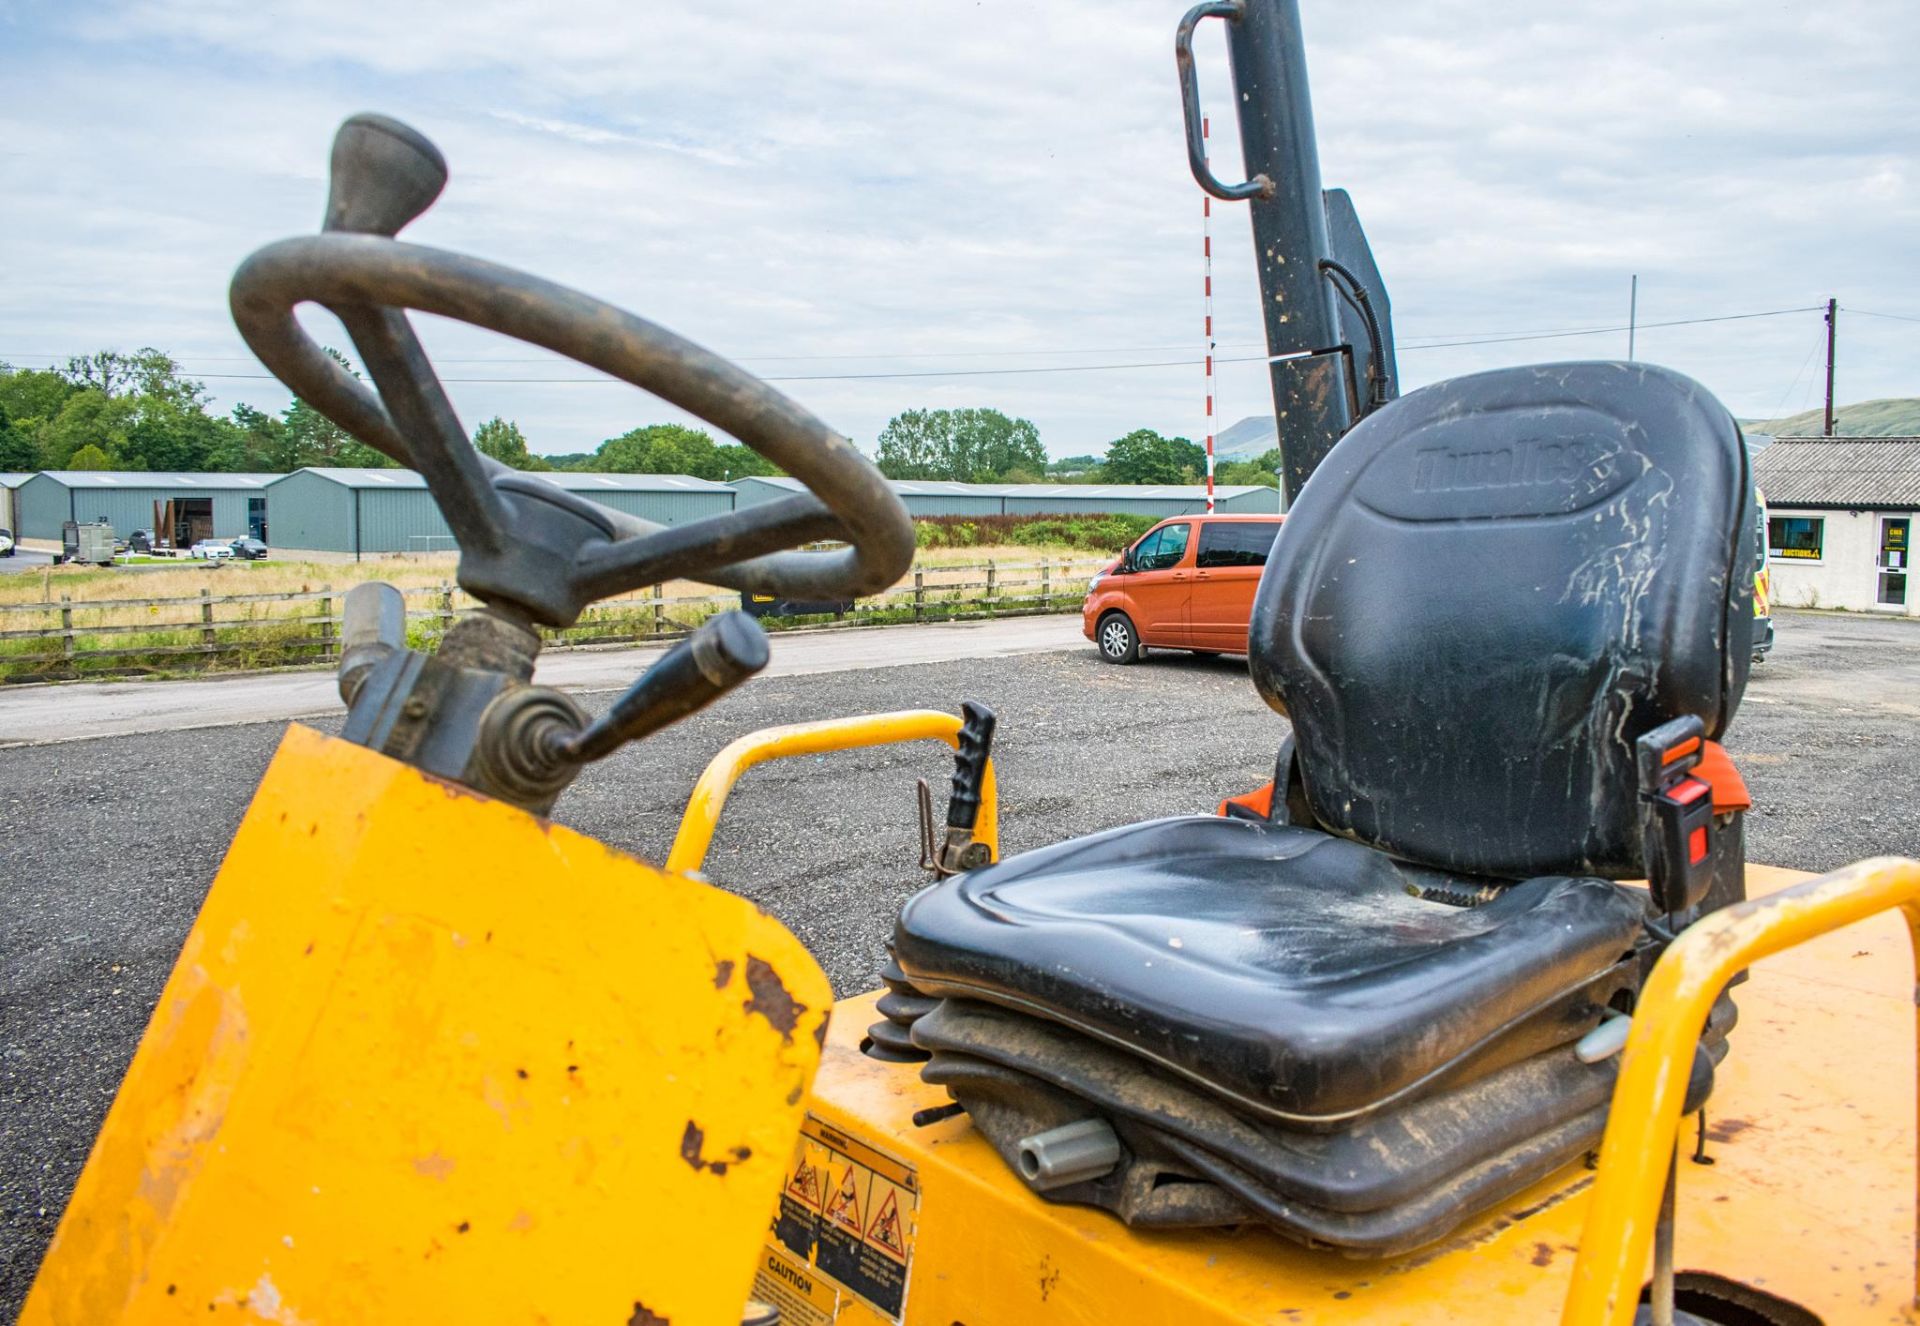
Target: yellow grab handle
(709, 797)
(1644, 1120)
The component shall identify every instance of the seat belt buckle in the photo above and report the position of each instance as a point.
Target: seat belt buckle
(1678, 829)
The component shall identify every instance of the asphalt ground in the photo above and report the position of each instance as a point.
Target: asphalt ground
(110, 844)
(24, 560)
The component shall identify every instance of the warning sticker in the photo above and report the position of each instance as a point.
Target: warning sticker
(844, 1209)
(804, 1297)
(886, 1231)
(804, 1186)
(846, 1221)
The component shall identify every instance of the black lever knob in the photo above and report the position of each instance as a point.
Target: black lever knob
(970, 764)
(385, 174)
(724, 652)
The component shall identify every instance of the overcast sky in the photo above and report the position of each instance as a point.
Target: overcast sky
(827, 191)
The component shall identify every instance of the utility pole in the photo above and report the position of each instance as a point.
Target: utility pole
(1833, 317)
(1633, 313)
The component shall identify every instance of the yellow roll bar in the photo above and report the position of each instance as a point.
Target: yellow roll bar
(709, 797)
(1644, 1121)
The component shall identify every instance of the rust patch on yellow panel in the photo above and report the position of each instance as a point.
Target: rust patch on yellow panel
(769, 998)
(427, 1058)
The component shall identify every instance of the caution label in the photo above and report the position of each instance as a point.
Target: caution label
(846, 1222)
(804, 1297)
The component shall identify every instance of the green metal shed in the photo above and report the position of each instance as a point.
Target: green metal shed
(205, 505)
(925, 497)
(9, 513)
(390, 511)
(1159, 500)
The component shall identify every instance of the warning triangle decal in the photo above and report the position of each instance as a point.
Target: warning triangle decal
(844, 1209)
(805, 1185)
(886, 1233)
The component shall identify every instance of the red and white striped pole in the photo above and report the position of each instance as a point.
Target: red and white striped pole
(1206, 250)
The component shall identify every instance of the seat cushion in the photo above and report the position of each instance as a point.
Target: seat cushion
(1306, 977)
(1489, 590)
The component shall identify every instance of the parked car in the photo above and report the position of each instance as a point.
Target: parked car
(140, 541)
(6, 543)
(248, 548)
(214, 550)
(1187, 583)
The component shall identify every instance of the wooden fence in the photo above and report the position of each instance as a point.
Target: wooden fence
(68, 637)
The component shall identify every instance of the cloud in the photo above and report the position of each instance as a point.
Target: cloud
(884, 189)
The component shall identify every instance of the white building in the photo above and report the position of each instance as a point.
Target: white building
(1841, 513)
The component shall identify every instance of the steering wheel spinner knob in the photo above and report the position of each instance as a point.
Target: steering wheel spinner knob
(384, 174)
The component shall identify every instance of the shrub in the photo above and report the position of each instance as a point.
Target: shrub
(1105, 532)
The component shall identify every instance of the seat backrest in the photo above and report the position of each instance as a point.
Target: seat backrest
(1488, 591)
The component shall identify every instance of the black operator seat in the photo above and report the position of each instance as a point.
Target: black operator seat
(1487, 593)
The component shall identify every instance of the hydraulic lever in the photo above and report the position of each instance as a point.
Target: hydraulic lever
(960, 850)
(471, 713)
(693, 674)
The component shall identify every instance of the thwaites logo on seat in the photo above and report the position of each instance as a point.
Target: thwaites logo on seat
(1556, 463)
(845, 1226)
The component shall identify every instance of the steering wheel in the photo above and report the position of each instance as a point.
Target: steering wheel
(529, 548)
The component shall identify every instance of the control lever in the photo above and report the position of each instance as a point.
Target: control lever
(960, 850)
(373, 627)
(724, 652)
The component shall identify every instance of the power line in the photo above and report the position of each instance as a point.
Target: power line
(1609, 331)
(743, 359)
(1866, 313)
(1504, 339)
(821, 377)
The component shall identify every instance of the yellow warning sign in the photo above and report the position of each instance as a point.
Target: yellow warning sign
(888, 1232)
(844, 1209)
(846, 1220)
(804, 1186)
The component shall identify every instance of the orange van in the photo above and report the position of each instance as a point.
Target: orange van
(1187, 583)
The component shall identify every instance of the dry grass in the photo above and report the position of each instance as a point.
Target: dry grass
(262, 614)
(91, 584)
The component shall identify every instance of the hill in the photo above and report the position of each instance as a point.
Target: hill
(1897, 416)
(1248, 438)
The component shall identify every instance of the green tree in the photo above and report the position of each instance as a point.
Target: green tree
(32, 396)
(916, 444)
(170, 433)
(676, 449)
(737, 462)
(255, 441)
(310, 438)
(105, 371)
(987, 445)
(314, 439)
(17, 451)
(972, 445)
(1263, 469)
(654, 449)
(1073, 467)
(503, 440)
(157, 378)
(88, 418)
(90, 457)
(1144, 456)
